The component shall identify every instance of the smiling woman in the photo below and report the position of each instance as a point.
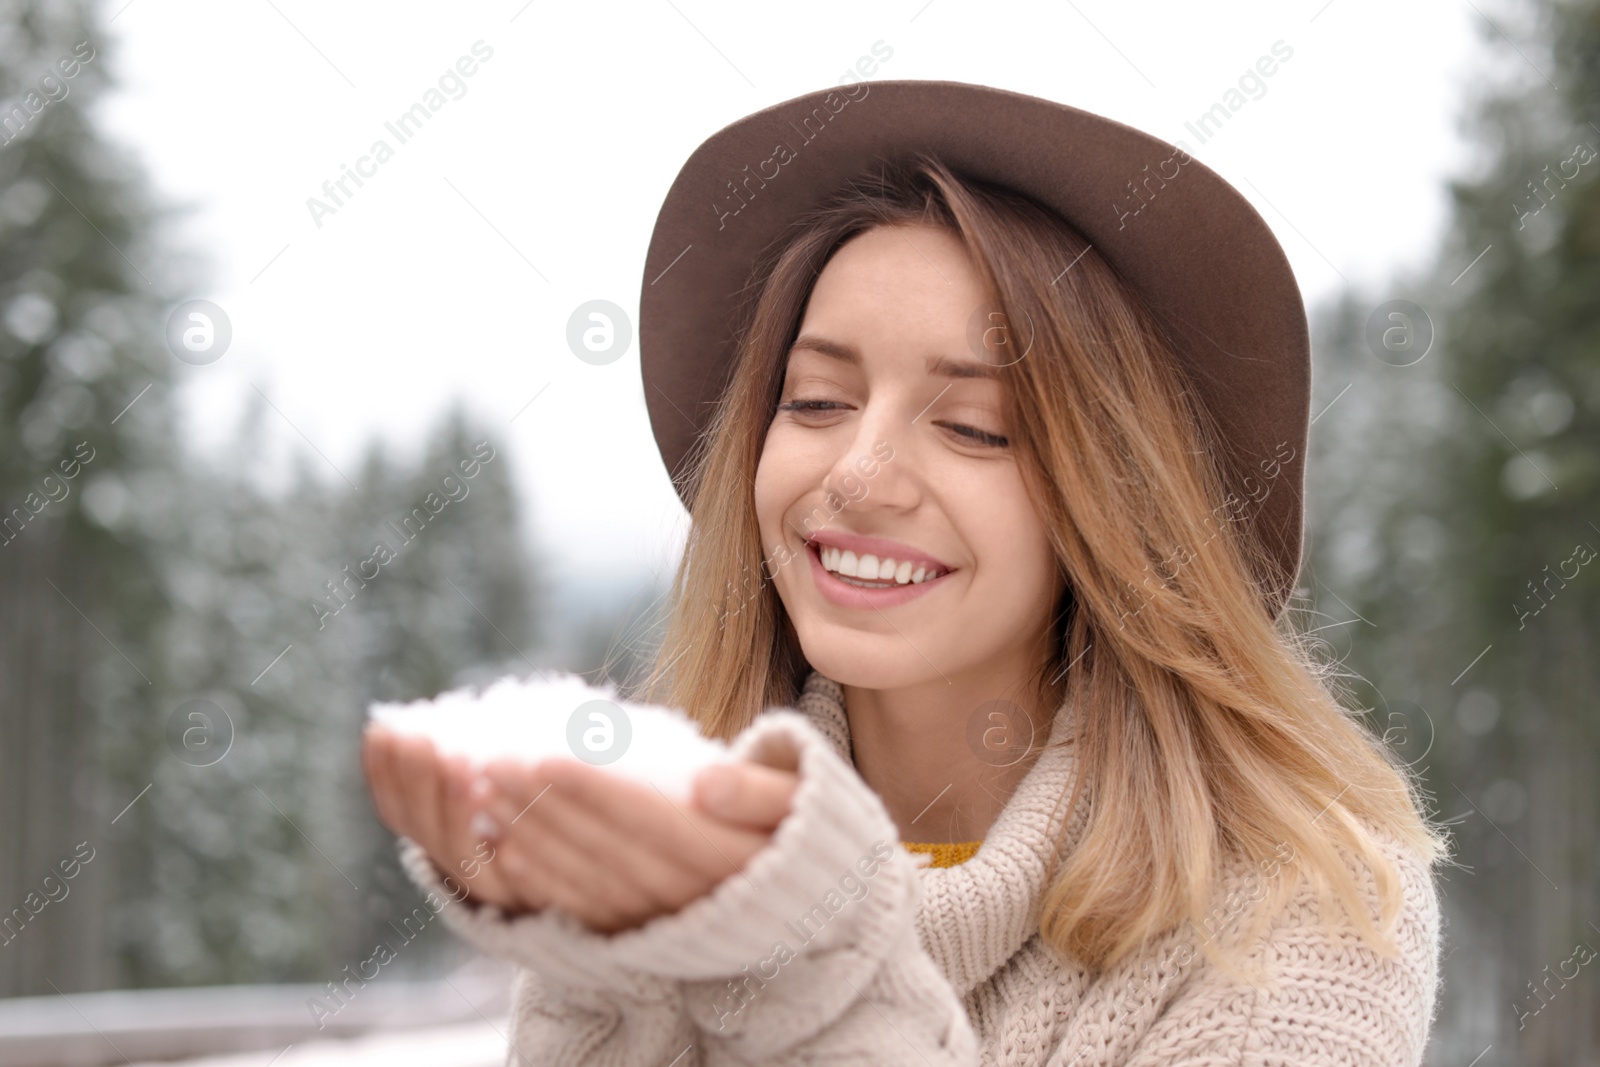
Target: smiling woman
(1158, 836)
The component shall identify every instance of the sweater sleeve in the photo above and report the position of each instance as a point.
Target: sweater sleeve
(811, 955)
(808, 955)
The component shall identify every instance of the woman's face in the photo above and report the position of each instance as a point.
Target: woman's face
(889, 450)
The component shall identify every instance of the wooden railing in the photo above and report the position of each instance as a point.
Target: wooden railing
(134, 1026)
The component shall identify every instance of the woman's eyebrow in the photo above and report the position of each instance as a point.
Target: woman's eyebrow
(938, 366)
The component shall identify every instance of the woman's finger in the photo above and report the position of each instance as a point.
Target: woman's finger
(649, 882)
(473, 858)
(532, 879)
(522, 890)
(746, 794)
(401, 778)
(648, 854)
(377, 757)
(615, 887)
(675, 834)
(542, 863)
(416, 762)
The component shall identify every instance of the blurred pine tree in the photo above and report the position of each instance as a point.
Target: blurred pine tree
(171, 697)
(84, 289)
(1449, 494)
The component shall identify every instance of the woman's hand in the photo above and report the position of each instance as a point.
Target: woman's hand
(612, 852)
(423, 795)
(616, 853)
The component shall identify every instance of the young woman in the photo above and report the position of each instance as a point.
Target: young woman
(967, 575)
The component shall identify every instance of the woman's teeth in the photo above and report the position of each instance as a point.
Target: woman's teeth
(872, 572)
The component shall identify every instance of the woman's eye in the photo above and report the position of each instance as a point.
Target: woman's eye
(808, 405)
(968, 434)
(981, 437)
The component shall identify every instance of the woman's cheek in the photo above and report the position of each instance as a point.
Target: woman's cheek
(779, 483)
(768, 508)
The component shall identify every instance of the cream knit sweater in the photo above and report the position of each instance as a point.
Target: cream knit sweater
(834, 946)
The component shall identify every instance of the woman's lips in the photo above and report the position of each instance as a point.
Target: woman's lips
(838, 591)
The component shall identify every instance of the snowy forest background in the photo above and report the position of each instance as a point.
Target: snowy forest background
(1451, 499)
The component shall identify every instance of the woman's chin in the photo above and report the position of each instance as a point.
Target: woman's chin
(863, 660)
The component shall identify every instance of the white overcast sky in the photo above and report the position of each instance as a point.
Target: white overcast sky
(569, 136)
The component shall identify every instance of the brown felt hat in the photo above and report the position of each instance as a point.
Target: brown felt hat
(1202, 260)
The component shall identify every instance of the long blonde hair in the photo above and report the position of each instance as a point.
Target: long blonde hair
(1208, 732)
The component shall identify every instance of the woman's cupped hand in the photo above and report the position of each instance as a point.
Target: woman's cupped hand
(612, 852)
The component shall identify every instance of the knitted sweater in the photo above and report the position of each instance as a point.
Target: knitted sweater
(836, 946)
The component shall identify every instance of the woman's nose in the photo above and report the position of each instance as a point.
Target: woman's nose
(876, 465)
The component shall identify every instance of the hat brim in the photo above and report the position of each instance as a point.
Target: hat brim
(1198, 255)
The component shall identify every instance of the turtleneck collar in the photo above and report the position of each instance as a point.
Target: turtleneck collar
(973, 917)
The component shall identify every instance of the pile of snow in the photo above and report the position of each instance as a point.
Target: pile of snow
(560, 715)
